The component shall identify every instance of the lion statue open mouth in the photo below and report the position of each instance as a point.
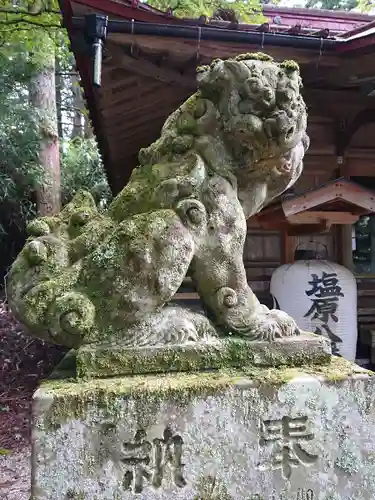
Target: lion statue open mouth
(231, 148)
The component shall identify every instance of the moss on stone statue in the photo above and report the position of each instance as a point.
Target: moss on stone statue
(137, 193)
(70, 399)
(289, 65)
(256, 56)
(38, 227)
(115, 360)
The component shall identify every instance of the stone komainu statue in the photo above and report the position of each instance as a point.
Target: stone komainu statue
(86, 277)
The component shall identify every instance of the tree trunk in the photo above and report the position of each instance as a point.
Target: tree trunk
(43, 98)
(78, 106)
(59, 87)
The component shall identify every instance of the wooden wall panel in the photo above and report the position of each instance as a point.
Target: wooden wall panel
(263, 253)
(262, 246)
(321, 135)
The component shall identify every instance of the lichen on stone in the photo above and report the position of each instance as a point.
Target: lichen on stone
(210, 488)
(114, 359)
(90, 424)
(75, 495)
(71, 398)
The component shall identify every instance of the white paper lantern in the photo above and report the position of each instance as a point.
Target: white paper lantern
(322, 298)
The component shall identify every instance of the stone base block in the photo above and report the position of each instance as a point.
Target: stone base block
(267, 434)
(114, 359)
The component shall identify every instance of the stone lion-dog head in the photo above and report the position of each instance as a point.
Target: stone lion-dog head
(247, 121)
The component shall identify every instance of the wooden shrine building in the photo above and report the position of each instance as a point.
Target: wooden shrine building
(148, 70)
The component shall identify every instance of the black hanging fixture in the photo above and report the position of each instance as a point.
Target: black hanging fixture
(96, 33)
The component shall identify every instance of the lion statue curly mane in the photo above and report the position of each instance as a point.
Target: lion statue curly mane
(87, 278)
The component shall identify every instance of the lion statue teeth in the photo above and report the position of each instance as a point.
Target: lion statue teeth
(231, 148)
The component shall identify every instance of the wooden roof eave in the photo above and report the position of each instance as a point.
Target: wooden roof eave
(311, 212)
(339, 189)
(97, 101)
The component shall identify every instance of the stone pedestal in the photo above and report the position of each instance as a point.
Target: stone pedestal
(304, 433)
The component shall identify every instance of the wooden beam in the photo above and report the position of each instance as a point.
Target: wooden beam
(122, 150)
(110, 84)
(113, 101)
(289, 244)
(309, 229)
(131, 148)
(130, 128)
(130, 110)
(214, 49)
(363, 153)
(118, 58)
(133, 130)
(315, 217)
(109, 100)
(346, 249)
(291, 230)
(129, 118)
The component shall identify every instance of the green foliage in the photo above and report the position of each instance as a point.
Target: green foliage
(366, 5)
(23, 22)
(248, 11)
(81, 168)
(332, 4)
(345, 5)
(20, 173)
(29, 30)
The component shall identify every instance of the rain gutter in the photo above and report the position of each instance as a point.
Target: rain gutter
(95, 28)
(213, 34)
